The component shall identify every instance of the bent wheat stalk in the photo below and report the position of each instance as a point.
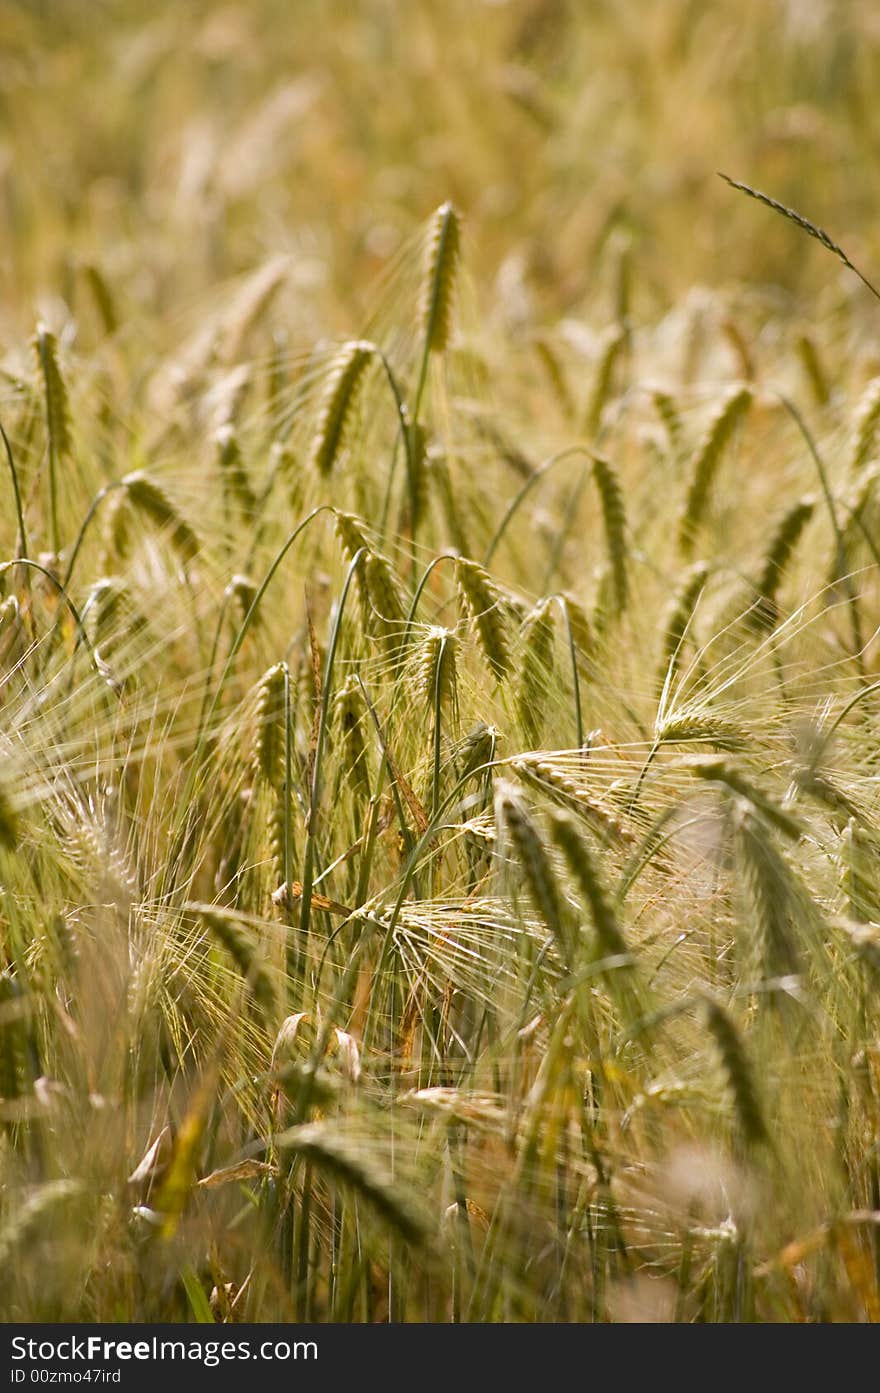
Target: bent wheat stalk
(811, 229)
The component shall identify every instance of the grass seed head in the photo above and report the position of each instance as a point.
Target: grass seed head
(439, 275)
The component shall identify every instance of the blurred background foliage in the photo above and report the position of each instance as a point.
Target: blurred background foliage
(182, 144)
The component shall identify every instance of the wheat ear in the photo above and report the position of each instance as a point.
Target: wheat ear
(14, 1042)
(585, 871)
(717, 770)
(614, 345)
(537, 669)
(776, 559)
(344, 379)
(482, 601)
(677, 620)
(537, 867)
(547, 778)
(865, 426)
(439, 277)
(236, 484)
(338, 1159)
(436, 681)
(666, 409)
(270, 737)
(813, 369)
(706, 461)
(737, 1070)
(767, 881)
(229, 930)
(700, 724)
(144, 494)
(614, 522)
(351, 715)
(57, 418)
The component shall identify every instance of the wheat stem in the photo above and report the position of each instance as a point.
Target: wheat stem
(804, 224)
(22, 547)
(315, 786)
(523, 492)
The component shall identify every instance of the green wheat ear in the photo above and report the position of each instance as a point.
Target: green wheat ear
(614, 345)
(10, 825)
(232, 932)
(270, 738)
(540, 774)
(340, 1160)
(737, 1070)
(55, 389)
(535, 862)
(436, 667)
(585, 871)
(57, 418)
(351, 716)
(233, 473)
(865, 426)
(664, 404)
(706, 462)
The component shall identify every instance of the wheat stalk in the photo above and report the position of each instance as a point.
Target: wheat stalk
(804, 224)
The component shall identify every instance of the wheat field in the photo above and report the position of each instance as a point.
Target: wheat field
(439, 661)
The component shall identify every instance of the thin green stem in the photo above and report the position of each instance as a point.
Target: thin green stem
(22, 547)
(522, 494)
(317, 767)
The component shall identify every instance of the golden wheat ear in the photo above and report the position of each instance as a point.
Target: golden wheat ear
(344, 378)
(437, 291)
